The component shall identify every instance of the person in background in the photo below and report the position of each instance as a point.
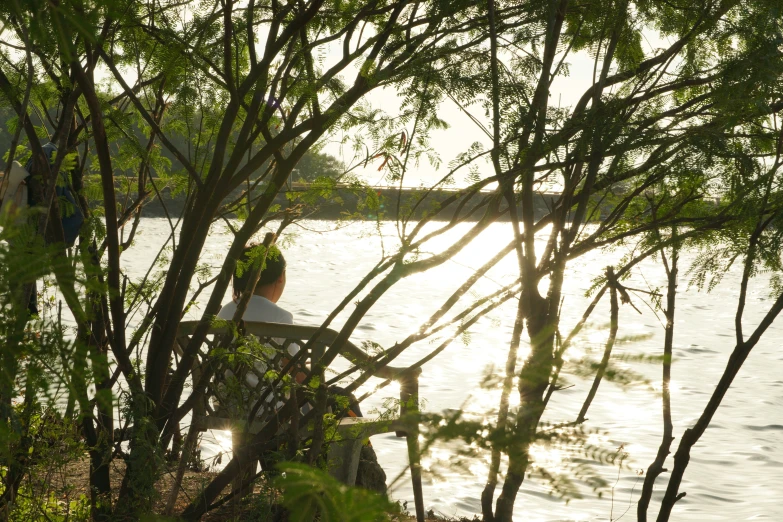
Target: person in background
(15, 194)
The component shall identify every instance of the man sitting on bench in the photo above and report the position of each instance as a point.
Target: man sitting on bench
(263, 307)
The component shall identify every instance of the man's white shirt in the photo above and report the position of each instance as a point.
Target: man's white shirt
(258, 309)
(261, 309)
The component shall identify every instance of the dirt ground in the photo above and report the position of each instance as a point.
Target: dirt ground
(70, 481)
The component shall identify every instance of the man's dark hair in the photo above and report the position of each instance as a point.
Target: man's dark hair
(274, 266)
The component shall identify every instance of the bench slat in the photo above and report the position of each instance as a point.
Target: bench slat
(299, 332)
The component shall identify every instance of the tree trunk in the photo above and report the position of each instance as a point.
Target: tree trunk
(101, 453)
(533, 382)
(613, 324)
(656, 467)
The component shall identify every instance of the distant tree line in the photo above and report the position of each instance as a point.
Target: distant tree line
(314, 164)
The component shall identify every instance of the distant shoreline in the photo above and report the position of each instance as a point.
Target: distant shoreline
(345, 202)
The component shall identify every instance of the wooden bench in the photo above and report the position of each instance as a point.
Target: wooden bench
(242, 395)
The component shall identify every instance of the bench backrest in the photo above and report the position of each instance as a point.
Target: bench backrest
(243, 370)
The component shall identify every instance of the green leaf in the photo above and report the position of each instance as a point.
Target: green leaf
(307, 491)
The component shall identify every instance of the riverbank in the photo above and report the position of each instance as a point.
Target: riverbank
(391, 204)
(68, 486)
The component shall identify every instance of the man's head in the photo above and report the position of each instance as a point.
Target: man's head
(271, 283)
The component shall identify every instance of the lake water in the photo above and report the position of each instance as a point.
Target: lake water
(736, 470)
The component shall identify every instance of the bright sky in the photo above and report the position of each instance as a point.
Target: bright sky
(462, 131)
(566, 91)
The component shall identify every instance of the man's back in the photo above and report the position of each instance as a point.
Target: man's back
(258, 309)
